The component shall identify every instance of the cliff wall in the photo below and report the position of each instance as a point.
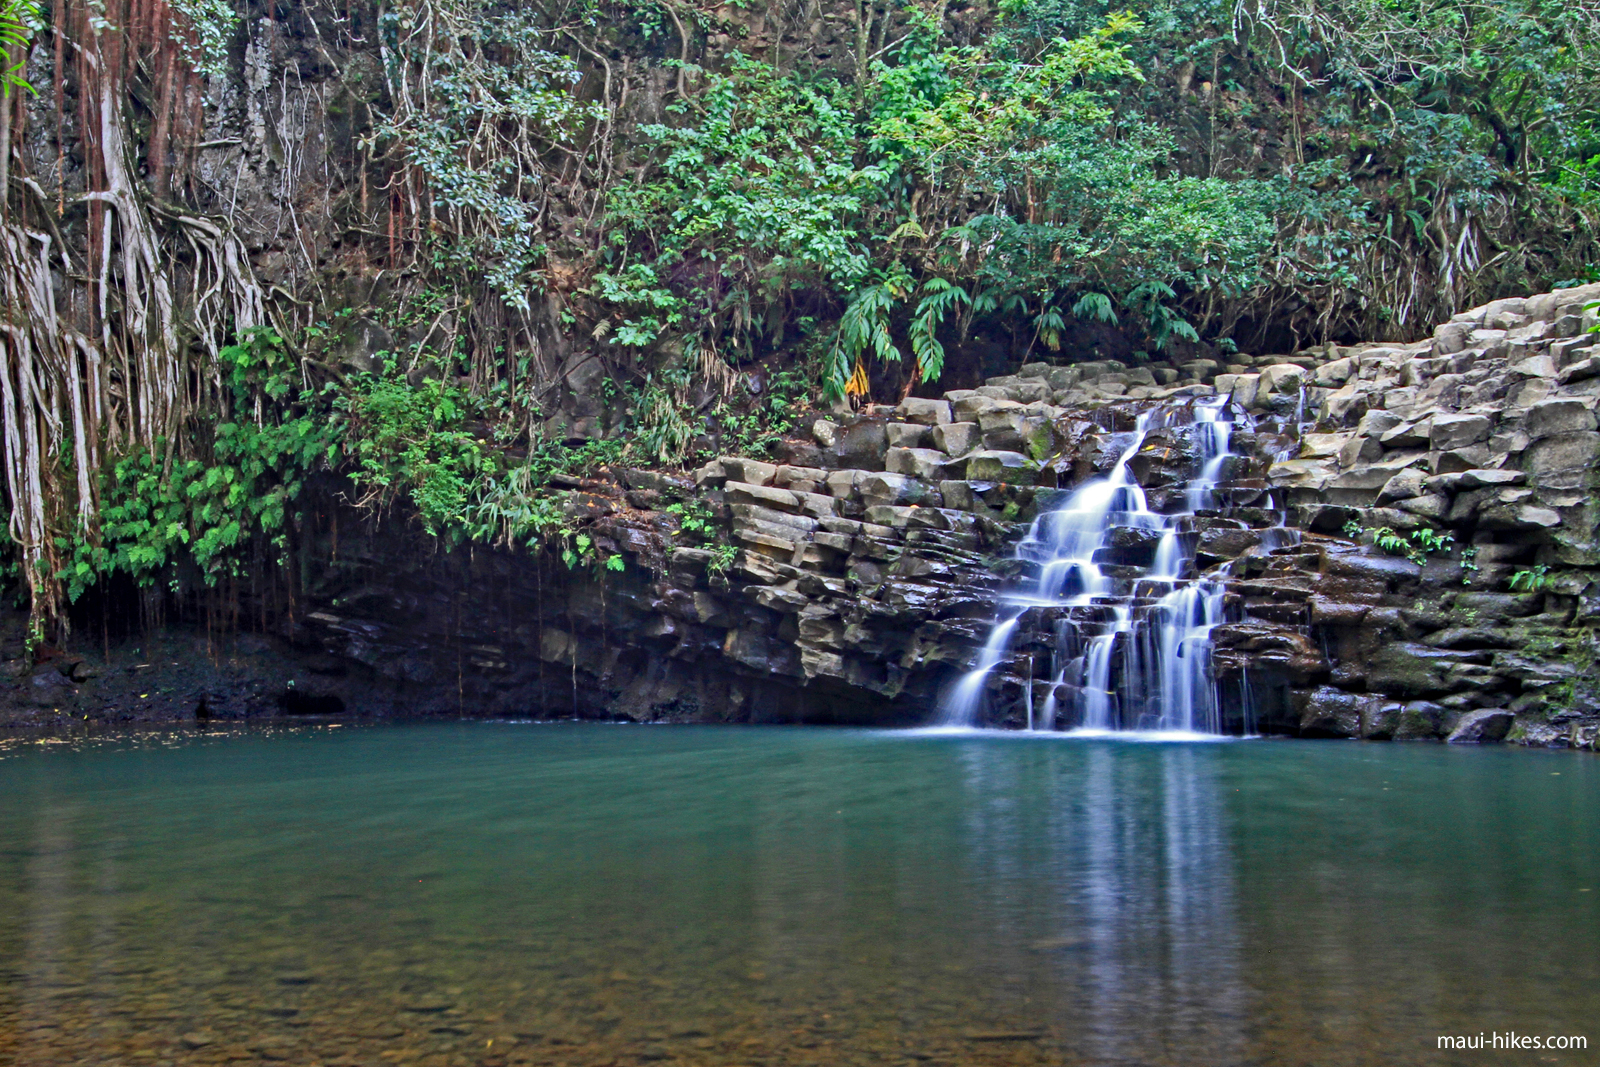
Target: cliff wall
(852, 575)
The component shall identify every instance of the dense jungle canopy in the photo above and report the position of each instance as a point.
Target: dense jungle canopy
(455, 255)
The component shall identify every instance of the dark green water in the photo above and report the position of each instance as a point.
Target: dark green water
(589, 895)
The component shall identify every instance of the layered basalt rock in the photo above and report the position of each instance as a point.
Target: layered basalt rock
(854, 575)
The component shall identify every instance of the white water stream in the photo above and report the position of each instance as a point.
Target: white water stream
(1141, 659)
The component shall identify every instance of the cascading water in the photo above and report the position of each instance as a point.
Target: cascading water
(1147, 662)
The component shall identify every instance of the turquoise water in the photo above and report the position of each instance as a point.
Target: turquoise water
(493, 893)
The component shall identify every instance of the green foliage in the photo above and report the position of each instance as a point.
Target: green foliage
(777, 181)
(213, 23)
(757, 191)
(1533, 580)
(18, 21)
(864, 327)
(1422, 542)
(663, 417)
(696, 522)
(413, 441)
(754, 431)
(155, 514)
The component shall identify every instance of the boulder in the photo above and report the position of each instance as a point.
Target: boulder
(1488, 726)
(1321, 445)
(1556, 416)
(1420, 720)
(1246, 389)
(1346, 403)
(1460, 460)
(924, 463)
(1458, 431)
(1451, 338)
(1519, 517)
(1582, 370)
(748, 471)
(924, 411)
(1561, 461)
(1000, 466)
(1380, 721)
(970, 407)
(908, 435)
(1403, 486)
(890, 488)
(1539, 366)
(1283, 378)
(843, 484)
(762, 496)
(1334, 374)
(1021, 390)
(1427, 506)
(1360, 450)
(1408, 435)
(1377, 423)
(862, 445)
(956, 438)
(1331, 712)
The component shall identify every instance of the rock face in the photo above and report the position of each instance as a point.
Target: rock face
(1367, 530)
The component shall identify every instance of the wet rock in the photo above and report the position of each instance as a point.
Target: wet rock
(1216, 545)
(1420, 720)
(1331, 712)
(1489, 726)
(1129, 546)
(1408, 669)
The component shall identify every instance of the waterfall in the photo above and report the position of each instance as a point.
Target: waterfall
(1134, 649)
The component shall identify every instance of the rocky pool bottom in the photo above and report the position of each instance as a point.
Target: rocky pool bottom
(522, 893)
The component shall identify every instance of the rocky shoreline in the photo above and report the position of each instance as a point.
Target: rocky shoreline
(852, 575)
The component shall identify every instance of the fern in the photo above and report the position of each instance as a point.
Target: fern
(864, 327)
(1095, 307)
(17, 21)
(939, 297)
(1047, 326)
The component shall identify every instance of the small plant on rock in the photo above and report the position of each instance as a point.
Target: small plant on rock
(1533, 580)
(1417, 548)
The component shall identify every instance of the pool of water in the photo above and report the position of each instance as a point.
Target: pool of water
(494, 893)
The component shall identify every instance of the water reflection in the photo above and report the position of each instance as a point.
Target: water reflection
(1134, 905)
(450, 896)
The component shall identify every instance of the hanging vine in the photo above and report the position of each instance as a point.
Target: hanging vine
(110, 341)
